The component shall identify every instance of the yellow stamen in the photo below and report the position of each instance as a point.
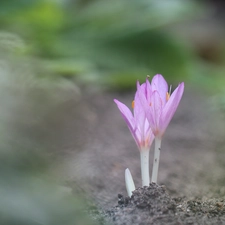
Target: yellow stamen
(132, 104)
(167, 96)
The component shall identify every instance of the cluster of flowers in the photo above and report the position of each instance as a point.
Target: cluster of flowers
(153, 109)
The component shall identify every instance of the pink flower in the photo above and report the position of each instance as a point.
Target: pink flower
(158, 104)
(137, 122)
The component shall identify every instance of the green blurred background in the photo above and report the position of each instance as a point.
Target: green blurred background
(50, 45)
(112, 43)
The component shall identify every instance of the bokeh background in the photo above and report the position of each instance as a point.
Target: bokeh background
(53, 52)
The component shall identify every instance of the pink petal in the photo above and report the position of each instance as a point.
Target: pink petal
(148, 90)
(142, 98)
(126, 113)
(148, 133)
(160, 85)
(171, 107)
(156, 110)
(138, 84)
(139, 112)
(139, 115)
(143, 89)
(146, 107)
(141, 95)
(129, 119)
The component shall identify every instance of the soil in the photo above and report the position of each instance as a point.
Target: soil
(153, 205)
(99, 148)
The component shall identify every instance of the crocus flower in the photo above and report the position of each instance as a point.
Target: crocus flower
(141, 132)
(160, 106)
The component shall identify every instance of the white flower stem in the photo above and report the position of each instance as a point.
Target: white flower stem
(129, 182)
(144, 154)
(156, 159)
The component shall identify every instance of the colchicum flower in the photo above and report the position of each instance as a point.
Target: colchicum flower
(159, 105)
(141, 132)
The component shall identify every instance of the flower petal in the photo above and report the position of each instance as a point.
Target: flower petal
(139, 115)
(141, 106)
(149, 136)
(141, 95)
(139, 112)
(156, 110)
(145, 104)
(148, 90)
(138, 84)
(159, 84)
(126, 113)
(171, 107)
(129, 119)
